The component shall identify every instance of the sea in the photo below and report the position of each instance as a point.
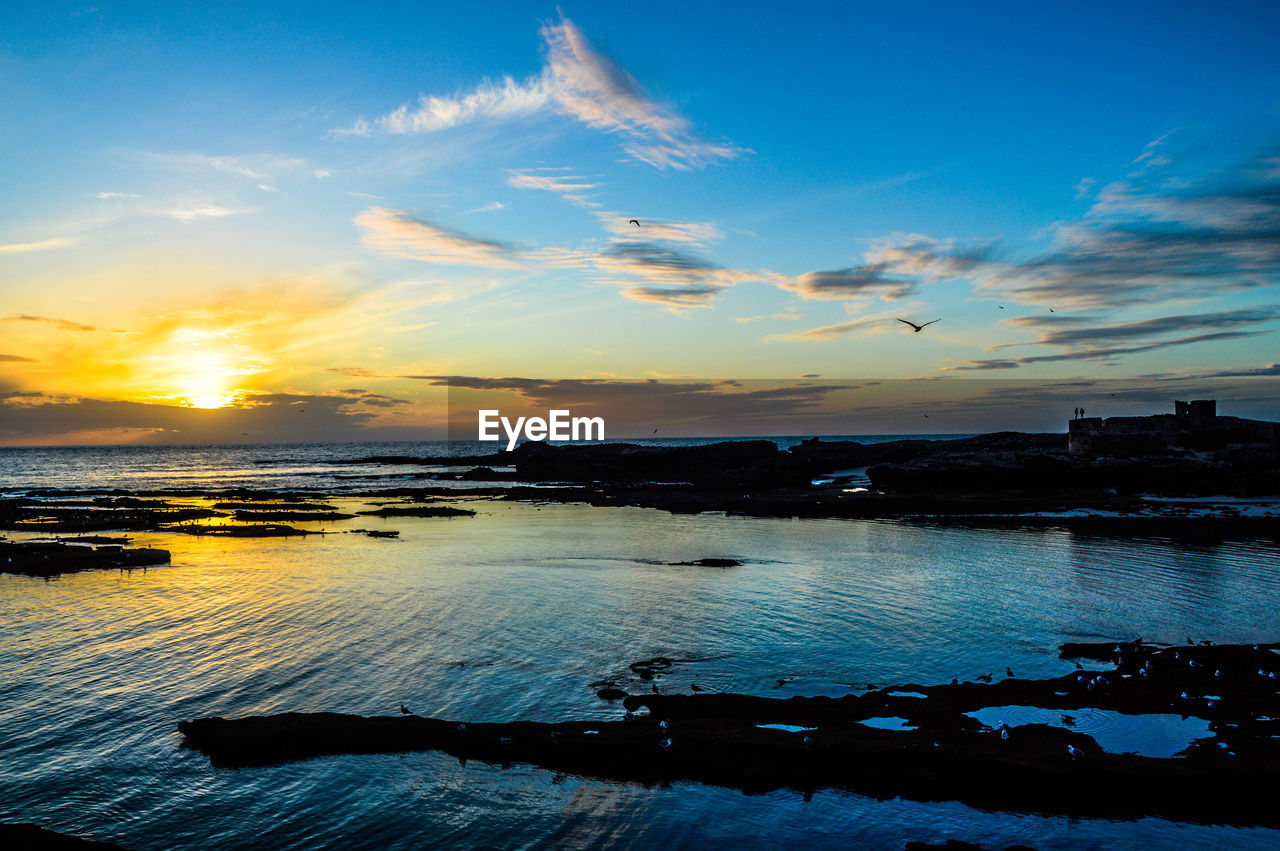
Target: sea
(513, 614)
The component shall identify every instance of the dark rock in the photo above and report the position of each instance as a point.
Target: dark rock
(732, 463)
(287, 514)
(948, 755)
(262, 506)
(265, 530)
(708, 562)
(611, 694)
(52, 559)
(419, 511)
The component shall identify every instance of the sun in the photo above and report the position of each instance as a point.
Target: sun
(206, 381)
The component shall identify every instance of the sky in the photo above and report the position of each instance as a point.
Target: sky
(220, 218)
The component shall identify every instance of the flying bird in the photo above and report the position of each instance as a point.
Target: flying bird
(636, 223)
(918, 328)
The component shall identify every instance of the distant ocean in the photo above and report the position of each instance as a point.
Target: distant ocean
(326, 467)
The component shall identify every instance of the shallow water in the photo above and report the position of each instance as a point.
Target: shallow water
(512, 614)
(1157, 735)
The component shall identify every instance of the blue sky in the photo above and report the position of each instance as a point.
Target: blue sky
(213, 205)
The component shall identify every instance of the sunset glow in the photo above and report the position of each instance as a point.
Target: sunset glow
(579, 206)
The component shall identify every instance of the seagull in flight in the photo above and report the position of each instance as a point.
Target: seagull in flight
(918, 328)
(635, 222)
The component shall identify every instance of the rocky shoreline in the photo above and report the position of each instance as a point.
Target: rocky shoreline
(1005, 477)
(53, 558)
(938, 752)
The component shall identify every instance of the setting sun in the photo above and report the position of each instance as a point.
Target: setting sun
(205, 381)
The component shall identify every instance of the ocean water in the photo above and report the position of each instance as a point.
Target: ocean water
(511, 614)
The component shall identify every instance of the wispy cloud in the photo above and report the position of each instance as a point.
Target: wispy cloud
(689, 233)
(854, 282)
(670, 276)
(41, 245)
(892, 270)
(1104, 355)
(357, 372)
(1068, 333)
(1153, 238)
(572, 188)
(256, 167)
(625, 228)
(791, 315)
(396, 232)
(191, 212)
(61, 324)
(15, 359)
(862, 325)
(1255, 372)
(109, 195)
(578, 82)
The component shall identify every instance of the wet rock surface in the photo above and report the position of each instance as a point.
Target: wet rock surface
(96, 514)
(262, 530)
(939, 752)
(419, 511)
(40, 558)
(264, 515)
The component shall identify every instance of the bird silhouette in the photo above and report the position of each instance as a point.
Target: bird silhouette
(1001, 306)
(1008, 672)
(696, 687)
(1051, 310)
(636, 223)
(918, 328)
(404, 710)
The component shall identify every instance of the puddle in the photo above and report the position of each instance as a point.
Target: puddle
(888, 722)
(786, 728)
(1155, 735)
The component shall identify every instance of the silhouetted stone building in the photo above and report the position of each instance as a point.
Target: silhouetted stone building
(1194, 426)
